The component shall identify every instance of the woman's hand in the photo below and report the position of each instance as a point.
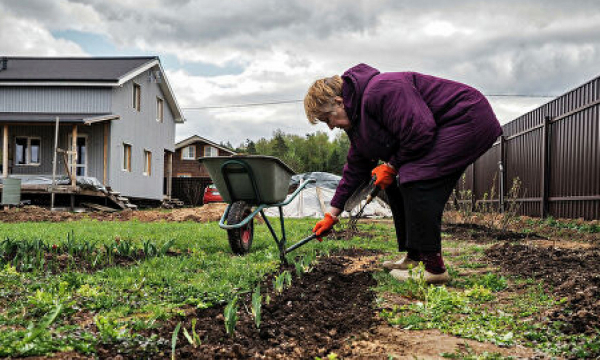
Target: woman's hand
(384, 175)
(325, 225)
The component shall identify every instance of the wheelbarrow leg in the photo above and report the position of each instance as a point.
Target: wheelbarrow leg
(280, 242)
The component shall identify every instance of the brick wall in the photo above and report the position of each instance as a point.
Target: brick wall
(192, 168)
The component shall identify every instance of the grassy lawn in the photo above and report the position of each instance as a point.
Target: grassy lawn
(42, 311)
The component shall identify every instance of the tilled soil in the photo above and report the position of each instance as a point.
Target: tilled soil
(208, 212)
(573, 274)
(481, 233)
(56, 263)
(311, 318)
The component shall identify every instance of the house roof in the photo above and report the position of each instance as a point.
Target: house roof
(195, 138)
(84, 71)
(51, 118)
(71, 69)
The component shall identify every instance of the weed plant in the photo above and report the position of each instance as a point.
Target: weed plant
(194, 338)
(231, 316)
(257, 306)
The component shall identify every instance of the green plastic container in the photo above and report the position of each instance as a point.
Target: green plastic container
(11, 191)
(272, 177)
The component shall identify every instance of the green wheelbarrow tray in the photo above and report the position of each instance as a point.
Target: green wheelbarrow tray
(252, 181)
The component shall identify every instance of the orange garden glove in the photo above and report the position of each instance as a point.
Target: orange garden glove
(325, 225)
(384, 175)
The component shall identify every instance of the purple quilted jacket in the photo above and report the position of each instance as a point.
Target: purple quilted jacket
(425, 126)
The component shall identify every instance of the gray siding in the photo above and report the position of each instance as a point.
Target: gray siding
(55, 99)
(95, 138)
(142, 132)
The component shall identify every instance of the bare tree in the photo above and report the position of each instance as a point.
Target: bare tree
(193, 191)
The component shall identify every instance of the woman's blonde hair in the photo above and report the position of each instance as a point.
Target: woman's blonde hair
(320, 98)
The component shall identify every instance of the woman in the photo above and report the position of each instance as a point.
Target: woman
(425, 129)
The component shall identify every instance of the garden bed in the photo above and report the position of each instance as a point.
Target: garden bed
(311, 318)
(572, 275)
(531, 295)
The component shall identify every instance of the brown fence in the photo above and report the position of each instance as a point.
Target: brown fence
(554, 151)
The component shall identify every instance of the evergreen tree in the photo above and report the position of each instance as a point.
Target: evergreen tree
(279, 146)
(251, 147)
(312, 152)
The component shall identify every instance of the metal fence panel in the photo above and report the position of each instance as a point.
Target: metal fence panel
(555, 151)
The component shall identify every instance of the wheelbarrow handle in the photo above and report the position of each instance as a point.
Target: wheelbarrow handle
(300, 243)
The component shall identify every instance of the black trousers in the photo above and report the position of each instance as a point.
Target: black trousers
(417, 209)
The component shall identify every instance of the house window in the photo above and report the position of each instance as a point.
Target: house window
(137, 97)
(188, 153)
(184, 175)
(210, 151)
(27, 150)
(159, 110)
(126, 157)
(147, 163)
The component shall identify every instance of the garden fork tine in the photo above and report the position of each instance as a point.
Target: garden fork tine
(370, 197)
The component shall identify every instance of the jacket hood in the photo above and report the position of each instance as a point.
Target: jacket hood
(355, 82)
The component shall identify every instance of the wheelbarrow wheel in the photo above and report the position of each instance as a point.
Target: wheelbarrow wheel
(240, 239)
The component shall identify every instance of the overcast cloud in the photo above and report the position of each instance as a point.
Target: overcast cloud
(238, 52)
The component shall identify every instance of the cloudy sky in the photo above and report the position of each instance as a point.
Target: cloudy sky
(219, 55)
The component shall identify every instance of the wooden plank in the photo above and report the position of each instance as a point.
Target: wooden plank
(5, 153)
(66, 163)
(74, 156)
(170, 174)
(99, 207)
(105, 154)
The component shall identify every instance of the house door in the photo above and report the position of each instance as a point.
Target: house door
(82, 154)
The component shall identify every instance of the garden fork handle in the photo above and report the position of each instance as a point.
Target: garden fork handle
(370, 198)
(300, 243)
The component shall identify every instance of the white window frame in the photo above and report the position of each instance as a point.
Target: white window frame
(137, 97)
(127, 167)
(160, 110)
(212, 151)
(184, 175)
(147, 163)
(28, 151)
(185, 154)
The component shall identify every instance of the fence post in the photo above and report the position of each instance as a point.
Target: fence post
(545, 179)
(501, 167)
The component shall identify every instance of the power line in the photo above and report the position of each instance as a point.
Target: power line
(520, 95)
(298, 101)
(243, 105)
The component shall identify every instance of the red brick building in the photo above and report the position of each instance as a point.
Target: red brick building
(189, 177)
(185, 163)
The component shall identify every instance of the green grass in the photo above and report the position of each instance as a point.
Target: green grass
(123, 301)
(585, 227)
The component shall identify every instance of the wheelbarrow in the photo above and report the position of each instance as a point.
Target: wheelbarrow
(250, 184)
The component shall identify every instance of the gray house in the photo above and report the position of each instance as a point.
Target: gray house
(116, 123)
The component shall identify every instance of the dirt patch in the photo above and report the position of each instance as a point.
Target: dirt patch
(311, 318)
(384, 342)
(208, 212)
(58, 263)
(572, 274)
(347, 234)
(484, 234)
